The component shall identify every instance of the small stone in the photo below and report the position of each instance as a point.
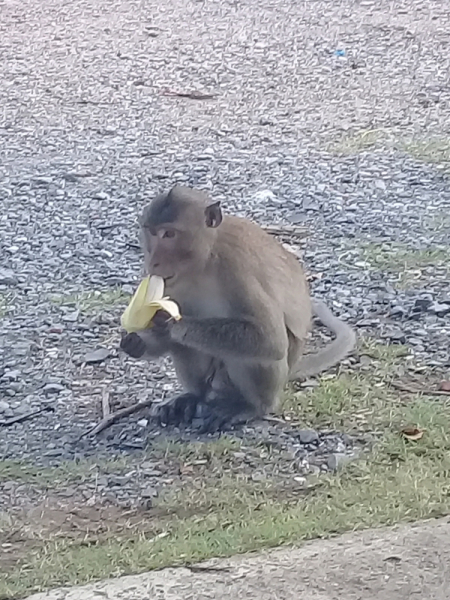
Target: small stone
(142, 422)
(422, 304)
(71, 317)
(347, 440)
(54, 452)
(395, 336)
(42, 180)
(299, 479)
(239, 455)
(335, 461)
(398, 312)
(440, 309)
(148, 492)
(53, 388)
(380, 185)
(310, 383)
(96, 356)
(308, 436)
(266, 196)
(4, 406)
(11, 375)
(7, 277)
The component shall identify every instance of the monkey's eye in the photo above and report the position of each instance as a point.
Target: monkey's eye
(168, 233)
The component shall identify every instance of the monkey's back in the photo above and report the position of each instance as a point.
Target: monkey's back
(260, 261)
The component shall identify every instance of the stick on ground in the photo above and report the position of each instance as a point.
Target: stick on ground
(113, 417)
(26, 416)
(106, 409)
(403, 387)
(290, 230)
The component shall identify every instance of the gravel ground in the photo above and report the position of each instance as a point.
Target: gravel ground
(320, 114)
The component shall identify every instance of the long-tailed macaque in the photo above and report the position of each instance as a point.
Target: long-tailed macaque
(245, 307)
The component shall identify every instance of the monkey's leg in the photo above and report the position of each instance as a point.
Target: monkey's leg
(194, 371)
(295, 352)
(242, 392)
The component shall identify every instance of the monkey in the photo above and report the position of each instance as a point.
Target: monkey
(246, 312)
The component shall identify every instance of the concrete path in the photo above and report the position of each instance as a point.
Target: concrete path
(402, 563)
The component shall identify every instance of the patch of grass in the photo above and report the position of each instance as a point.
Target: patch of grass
(399, 481)
(358, 141)
(63, 474)
(352, 402)
(434, 150)
(395, 257)
(437, 221)
(218, 448)
(404, 264)
(4, 303)
(92, 302)
(224, 513)
(385, 354)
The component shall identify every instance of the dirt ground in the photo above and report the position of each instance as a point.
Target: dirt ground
(408, 562)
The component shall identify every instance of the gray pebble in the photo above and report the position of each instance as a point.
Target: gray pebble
(96, 356)
(4, 406)
(53, 388)
(337, 460)
(308, 436)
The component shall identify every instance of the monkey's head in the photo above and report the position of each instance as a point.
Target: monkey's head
(178, 232)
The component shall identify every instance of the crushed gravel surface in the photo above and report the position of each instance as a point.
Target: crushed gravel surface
(320, 114)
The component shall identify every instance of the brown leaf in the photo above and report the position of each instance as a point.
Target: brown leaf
(412, 433)
(444, 386)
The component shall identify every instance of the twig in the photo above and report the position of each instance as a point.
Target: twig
(291, 230)
(109, 226)
(106, 409)
(278, 421)
(194, 95)
(26, 416)
(412, 390)
(113, 417)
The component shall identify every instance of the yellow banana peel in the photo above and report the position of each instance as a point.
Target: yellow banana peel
(147, 300)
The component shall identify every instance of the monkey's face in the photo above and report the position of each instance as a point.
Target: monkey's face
(169, 252)
(178, 233)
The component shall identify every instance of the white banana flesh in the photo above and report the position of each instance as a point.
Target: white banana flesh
(147, 300)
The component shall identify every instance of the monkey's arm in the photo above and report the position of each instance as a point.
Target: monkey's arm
(236, 337)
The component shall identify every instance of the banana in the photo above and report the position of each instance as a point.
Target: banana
(147, 300)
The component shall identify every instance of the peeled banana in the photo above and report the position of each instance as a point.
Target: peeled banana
(147, 300)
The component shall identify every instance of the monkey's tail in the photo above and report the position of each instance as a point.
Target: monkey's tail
(337, 350)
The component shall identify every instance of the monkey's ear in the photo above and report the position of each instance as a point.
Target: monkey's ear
(213, 215)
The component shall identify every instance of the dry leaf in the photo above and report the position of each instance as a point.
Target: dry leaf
(412, 433)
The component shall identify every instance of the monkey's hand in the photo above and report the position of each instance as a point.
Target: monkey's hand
(133, 345)
(162, 324)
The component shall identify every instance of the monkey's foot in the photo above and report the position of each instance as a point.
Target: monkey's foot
(178, 410)
(220, 417)
(211, 417)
